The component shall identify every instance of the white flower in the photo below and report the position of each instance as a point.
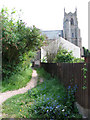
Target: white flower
(63, 110)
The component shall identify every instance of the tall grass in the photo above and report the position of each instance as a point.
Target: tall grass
(17, 80)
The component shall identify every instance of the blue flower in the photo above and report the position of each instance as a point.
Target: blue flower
(57, 106)
(47, 107)
(44, 95)
(48, 102)
(59, 113)
(51, 108)
(47, 98)
(53, 104)
(76, 86)
(69, 87)
(58, 96)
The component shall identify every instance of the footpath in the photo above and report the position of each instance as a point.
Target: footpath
(33, 82)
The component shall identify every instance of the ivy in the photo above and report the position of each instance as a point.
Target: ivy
(84, 69)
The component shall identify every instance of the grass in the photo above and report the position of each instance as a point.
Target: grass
(47, 100)
(16, 106)
(17, 80)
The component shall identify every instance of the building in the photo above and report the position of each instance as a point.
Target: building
(71, 32)
(69, 38)
(53, 34)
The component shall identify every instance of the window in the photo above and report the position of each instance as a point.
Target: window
(66, 20)
(72, 35)
(72, 21)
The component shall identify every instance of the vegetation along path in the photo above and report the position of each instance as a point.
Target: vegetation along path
(33, 82)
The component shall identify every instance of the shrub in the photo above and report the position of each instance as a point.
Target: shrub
(64, 56)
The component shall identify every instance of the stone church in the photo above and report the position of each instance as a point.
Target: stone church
(69, 38)
(70, 31)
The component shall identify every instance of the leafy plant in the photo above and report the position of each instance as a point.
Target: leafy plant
(64, 56)
(84, 69)
(71, 97)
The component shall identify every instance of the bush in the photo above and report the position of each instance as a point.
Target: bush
(65, 56)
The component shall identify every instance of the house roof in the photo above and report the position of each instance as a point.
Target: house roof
(53, 34)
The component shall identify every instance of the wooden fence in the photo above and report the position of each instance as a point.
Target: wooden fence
(72, 74)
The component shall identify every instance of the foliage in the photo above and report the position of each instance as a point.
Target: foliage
(17, 80)
(44, 60)
(84, 69)
(78, 60)
(64, 56)
(50, 57)
(86, 52)
(17, 39)
(47, 100)
(71, 97)
(43, 74)
(27, 58)
(53, 105)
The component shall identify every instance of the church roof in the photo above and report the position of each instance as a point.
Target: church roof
(53, 34)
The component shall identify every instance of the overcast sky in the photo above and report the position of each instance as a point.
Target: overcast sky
(49, 14)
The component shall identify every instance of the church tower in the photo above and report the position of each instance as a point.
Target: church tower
(71, 32)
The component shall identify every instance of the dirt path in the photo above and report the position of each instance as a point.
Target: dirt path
(33, 82)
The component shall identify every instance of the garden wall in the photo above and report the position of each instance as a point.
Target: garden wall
(71, 74)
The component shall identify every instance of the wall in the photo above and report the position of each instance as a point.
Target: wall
(54, 46)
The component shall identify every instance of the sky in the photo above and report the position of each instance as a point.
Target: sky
(49, 14)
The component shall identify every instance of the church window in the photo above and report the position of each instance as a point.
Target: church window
(72, 21)
(72, 35)
(66, 20)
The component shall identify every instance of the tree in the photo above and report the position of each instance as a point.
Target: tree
(17, 40)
